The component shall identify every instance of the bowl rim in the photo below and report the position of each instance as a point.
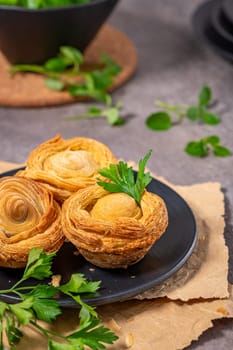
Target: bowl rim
(54, 8)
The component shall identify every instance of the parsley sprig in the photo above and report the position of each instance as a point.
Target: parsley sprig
(112, 114)
(123, 179)
(164, 120)
(66, 72)
(171, 115)
(207, 145)
(38, 303)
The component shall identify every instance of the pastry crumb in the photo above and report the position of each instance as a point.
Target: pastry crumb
(129, 340)
(76, 252)
(114, 326)
(55, 280)
(91, 269)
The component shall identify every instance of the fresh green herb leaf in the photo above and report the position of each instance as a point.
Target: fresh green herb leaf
(56, 65)
(23, 311)
(54, 84)
(193, 113)
(159, 121)
(122, 178)
(205, 96)
(38, 303)
(204, 146)
(3, 307)
(92, 335)
(112, 114)
(13, 333)
(210, 118)
(38, 265)
(79, 284)
(213, 140)
(197, 148)
(71, 55)
(221, 151)
(44, 306)
(57, 70)
(54, 345)
(164, 119)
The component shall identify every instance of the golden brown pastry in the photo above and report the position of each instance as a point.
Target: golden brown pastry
(109, 229)
(29, 217)
(66, 166)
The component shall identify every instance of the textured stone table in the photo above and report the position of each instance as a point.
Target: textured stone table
(172, 67)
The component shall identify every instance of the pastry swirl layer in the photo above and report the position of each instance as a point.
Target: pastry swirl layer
(29, 217)
(65, 166)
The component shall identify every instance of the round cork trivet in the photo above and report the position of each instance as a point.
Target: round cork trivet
(29, 90)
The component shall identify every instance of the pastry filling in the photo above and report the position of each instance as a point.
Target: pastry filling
(115, 205)
(71, 163)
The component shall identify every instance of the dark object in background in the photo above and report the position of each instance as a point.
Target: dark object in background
(33, 36)
(213, 24)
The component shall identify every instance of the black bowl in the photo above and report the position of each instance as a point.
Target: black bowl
(33, 36)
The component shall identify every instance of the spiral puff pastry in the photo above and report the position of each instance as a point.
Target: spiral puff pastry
(109, 229)
(29, 217)
(66, 166)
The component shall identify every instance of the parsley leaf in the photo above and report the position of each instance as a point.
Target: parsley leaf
(44, 306)
(92, 335)
(205, 96)
(23, 310)
(38, 303)
(159, 121)
(39, 264)
(205, 145)
(123, 180)
(79, 284)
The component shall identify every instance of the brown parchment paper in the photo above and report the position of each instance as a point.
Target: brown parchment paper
(146, 325)
(160, 323)
(204, 275)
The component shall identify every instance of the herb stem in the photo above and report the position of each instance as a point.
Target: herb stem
(13, 288)
(179, 110)
(27, 68)
(47, 332)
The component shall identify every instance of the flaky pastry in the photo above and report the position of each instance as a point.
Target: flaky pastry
(109, 229)
(29, 217)
(65, 166)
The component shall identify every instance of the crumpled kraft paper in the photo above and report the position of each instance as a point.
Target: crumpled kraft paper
(145, 325)
(157, 323)
(204, 275)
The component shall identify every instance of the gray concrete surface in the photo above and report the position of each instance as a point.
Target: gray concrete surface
(172, 67)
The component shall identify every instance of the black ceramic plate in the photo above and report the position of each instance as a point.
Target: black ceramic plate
(163, 260)
(206, 32)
